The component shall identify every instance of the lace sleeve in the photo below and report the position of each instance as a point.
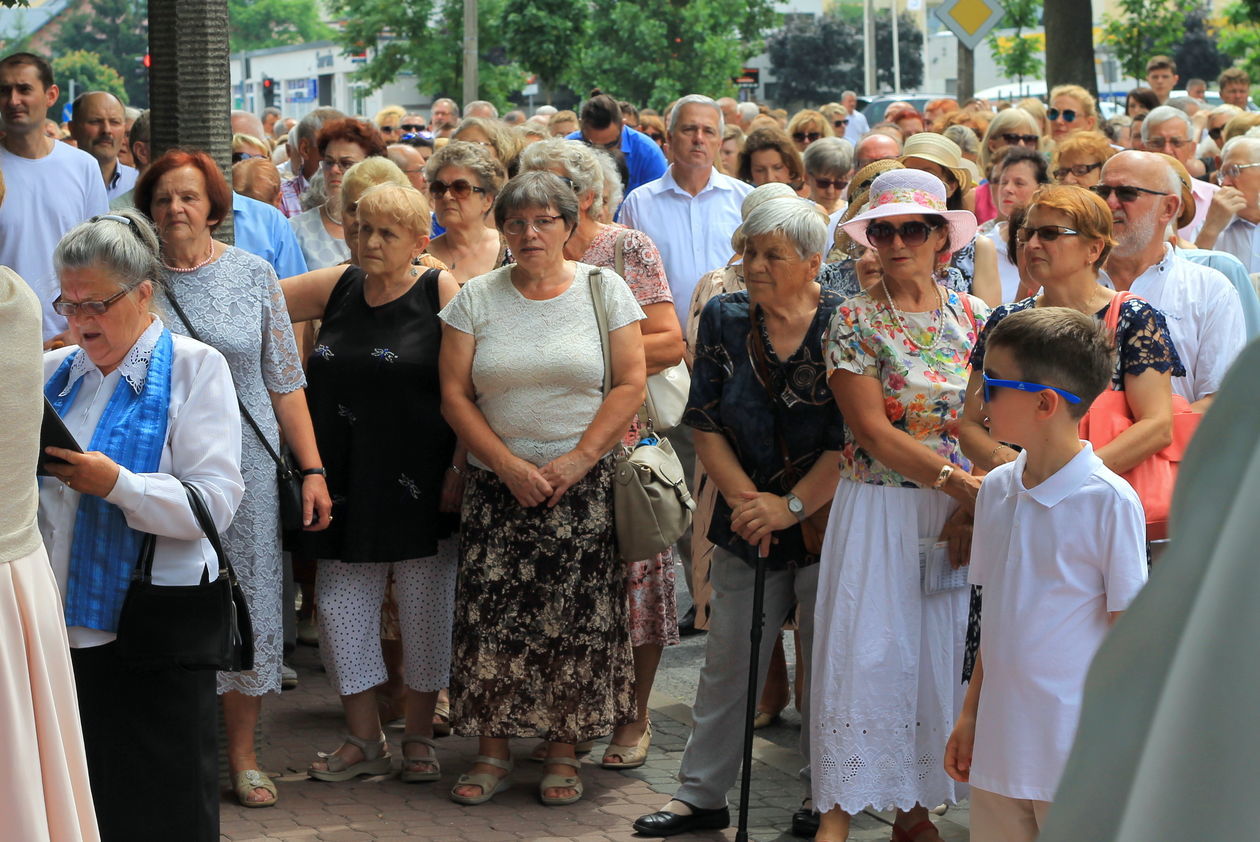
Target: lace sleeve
(282, 364)
(999, 313)
(1145, 341)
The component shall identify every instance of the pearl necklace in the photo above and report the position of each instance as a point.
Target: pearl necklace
(200, 265)
(901, 319)
(326, 212)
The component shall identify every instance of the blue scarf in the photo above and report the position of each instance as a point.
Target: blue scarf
(132, 432)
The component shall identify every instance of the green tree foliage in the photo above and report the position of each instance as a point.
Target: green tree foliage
(425, 37)
(1145, 28)
(1016, 53)
(258, 24)
(540, 36)
(1242, 37)
(1199, 53)
(88, 73)
(653, 51)
(809, 68)
(118, 32)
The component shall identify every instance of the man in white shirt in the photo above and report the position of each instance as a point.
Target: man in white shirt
(1167, 129)
(1203, 309)
(50, 187)
(98, 124)
(1231, 223)
(857, 120)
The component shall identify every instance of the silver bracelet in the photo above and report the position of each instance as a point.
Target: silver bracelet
(459, 472)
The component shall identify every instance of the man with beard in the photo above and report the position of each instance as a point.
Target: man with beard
(98, 124)
(1203, 309)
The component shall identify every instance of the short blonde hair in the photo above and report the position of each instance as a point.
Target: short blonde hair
(488, 170)
(387, 112)
(241, 140)
(405, 206)
(1239, 124)
(256, 178)
(1005, 122)
(1093, 145)
(809, 116)
(1084, 97)
(501, 140)
(369, 173)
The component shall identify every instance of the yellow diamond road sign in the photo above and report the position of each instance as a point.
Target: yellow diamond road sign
(970, 20)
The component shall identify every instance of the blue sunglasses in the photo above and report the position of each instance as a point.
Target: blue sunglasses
(1024, 386)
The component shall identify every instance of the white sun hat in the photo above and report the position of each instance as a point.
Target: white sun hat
(902, 192)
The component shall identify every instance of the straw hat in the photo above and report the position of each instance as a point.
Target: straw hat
(940, 150)
(913, 192)
(758, 197)
(859, 192)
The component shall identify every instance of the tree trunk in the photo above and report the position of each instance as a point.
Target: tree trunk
(965, 87)
(190, 83)
(1069, 47)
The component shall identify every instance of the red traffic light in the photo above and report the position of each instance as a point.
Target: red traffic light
(268, 81)
(147, 60)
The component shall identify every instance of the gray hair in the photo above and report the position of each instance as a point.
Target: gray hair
(1163, 114)
(579, 162)
(537, 189)
(695, 99)
(798, 220)
(452, 103)
(121, 242)
(545, 110)
(471, 156)
(1250, 144)
(131, 113)
(310, 125)
(829, 155)
(747, 110)
(613, 192)
(481, 103)
(1005, 122)
(964, 137)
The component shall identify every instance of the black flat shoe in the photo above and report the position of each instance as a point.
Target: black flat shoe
(805, 823)
(663, 823)
(687, 624)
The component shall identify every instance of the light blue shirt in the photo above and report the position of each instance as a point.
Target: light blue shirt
(1226, 261)
(263, 230)
(856, 128)
(693, 233)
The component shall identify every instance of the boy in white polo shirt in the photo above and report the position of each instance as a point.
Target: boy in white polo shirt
(1060, 549)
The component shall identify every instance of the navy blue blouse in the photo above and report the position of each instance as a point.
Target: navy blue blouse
(728, 397)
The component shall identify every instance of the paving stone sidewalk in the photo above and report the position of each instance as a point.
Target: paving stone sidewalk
(308, 719)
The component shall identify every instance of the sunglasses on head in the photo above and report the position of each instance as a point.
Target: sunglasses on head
(459, 188)
(1124, 193)
(806, 137)
(1068, 115)
(991, 383)
(913, 233)
(1026, 139)
(1077, 170)
(1045, 233)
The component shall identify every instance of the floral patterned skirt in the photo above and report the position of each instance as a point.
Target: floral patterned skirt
(541, 637)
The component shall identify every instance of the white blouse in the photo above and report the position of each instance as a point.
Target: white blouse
(203, 447)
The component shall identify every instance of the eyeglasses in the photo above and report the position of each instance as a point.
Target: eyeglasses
(541, 224)
(342, 164)
(657, 138)
(237, 157)
(1077, 170)
(840, 124)
(829, 183)
(388, 129)
(1232, 171)
(1026, 139)
(567, 181)
(460, 188)
(806, 137)
(1068, 115)
(991, 383)
(1045, 233)
(1124, 193)
(913, 234)
(413, 127)
(1160, 142)
(88, 308)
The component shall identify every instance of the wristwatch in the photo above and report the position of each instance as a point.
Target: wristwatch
(795, 505)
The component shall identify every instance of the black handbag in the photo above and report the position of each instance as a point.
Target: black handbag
(194, 627)
(288, 478)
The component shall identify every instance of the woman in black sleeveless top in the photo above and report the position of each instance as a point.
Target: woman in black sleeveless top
(376, 404)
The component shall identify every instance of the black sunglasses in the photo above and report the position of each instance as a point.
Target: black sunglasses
(460, 188)
(913, 233)
(1045, 233)
(1215, 133)
(829, 183)
(806, 137)
(1026, 139)
(1124, 193)
(839, 124)
(412, 127)
(1068, 115)
(1078, 170)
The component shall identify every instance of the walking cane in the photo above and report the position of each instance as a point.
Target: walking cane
(750, 712)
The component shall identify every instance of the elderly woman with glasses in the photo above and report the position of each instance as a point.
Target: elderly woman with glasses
(542, 643)
(464, 179)
(342, 144)
(633, 255)
(888, 657)
(154, 411)
(1079, 158)
(768, 433)
(828, 165)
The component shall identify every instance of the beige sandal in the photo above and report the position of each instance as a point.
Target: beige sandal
(244, 784)
(413, 776)
(553, 781)
(490, 783)
(376, 761)
(632, 757)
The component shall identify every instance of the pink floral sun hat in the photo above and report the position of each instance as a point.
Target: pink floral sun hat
(901, 192)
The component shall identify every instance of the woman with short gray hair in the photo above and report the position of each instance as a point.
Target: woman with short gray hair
(147, 401)
(768, 431)
(464, 179)
(828, 165)
(541, 642)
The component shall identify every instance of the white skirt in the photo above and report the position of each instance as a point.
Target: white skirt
(887, 660)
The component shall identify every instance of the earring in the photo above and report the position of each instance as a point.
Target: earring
(414, 273)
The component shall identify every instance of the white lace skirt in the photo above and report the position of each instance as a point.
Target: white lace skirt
(887, 660)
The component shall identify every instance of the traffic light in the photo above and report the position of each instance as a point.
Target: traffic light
(269, 91)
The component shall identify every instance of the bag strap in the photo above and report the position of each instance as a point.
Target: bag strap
(144, 564)
(281, 464)
(971, 314)
(619, 254)
(601, 319)
(1113, 311)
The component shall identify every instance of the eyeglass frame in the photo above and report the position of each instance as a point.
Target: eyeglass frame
(828, 183)
(1237, 168)
(1085, 169)
(1068, 114)
(1116, 188)
(1161, 142)
(339, 163)
(1021, 139)
(803, 137)
(438, 188)
(551, 220)
(900, 231)
(76, 306)
(1026, 232)
(990, 383)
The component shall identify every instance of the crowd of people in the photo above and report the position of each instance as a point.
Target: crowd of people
(934, 363)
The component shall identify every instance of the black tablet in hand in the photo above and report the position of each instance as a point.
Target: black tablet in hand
(53, 433)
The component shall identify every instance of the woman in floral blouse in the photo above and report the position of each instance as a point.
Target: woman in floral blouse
(886, 663)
